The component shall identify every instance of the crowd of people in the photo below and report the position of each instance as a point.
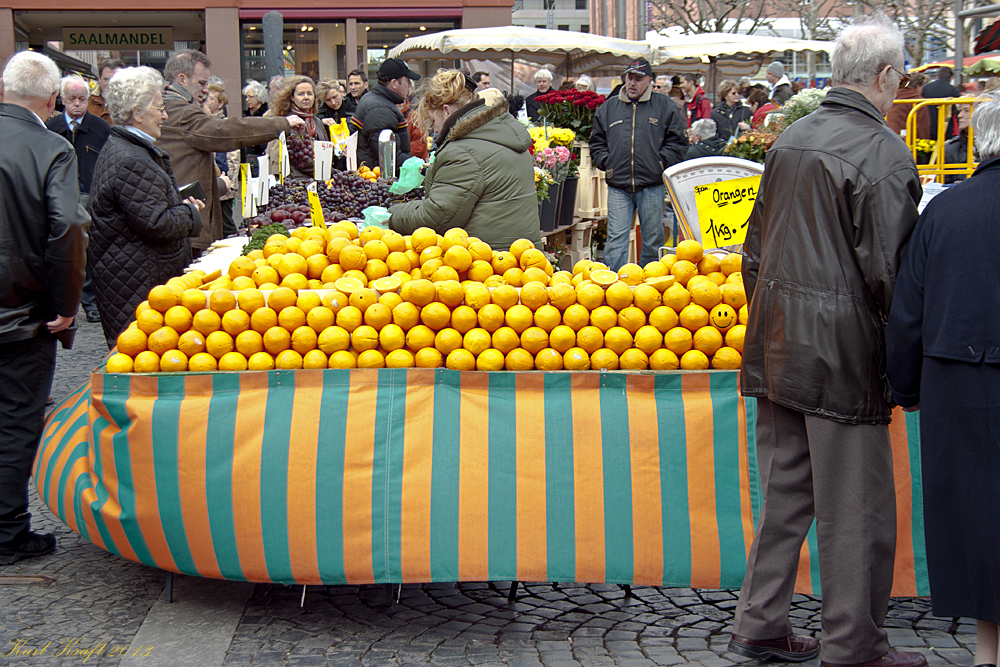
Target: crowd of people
(840, 271)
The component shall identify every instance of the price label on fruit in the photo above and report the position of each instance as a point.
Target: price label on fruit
(724, 209)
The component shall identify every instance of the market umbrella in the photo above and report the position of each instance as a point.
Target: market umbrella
(984, 66)
(989, 38)
(967, 62)
(569, 52)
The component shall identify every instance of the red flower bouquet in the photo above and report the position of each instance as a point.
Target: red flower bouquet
(571, 108)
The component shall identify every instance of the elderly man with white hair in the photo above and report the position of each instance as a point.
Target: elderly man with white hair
(87, 133)
(43, 233)
(543, 84)
(836, 207)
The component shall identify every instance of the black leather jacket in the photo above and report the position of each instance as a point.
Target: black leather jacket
(837, 204)
(43, 228)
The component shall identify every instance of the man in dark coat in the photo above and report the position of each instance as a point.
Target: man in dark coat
(941, 88)
(43, 252)
(357, 86)
(543, 84)
(379, 110)
(836, 207)
(87, 133)
(781, 87)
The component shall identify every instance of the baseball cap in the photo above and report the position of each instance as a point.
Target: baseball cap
(639, 66)
(393, 68)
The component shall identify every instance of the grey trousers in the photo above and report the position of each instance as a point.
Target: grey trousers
(841, 475)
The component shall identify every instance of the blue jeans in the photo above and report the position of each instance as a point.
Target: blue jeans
(622, 205)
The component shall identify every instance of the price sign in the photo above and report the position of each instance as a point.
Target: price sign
(352, 152)
(283, 168)
(244, 175)
(724, 210)
(323, 162)
(315, 208)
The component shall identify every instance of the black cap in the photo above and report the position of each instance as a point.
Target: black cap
(394, 68)
(639, 66)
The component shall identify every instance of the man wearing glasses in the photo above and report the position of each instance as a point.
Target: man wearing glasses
(836, 207)
(662, 84)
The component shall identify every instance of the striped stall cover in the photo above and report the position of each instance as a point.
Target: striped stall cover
(396, 475)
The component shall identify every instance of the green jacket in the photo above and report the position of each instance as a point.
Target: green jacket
(482, 179)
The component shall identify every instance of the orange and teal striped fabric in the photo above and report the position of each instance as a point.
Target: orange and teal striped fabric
(414, 475)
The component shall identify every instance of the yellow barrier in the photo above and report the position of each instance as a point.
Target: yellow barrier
(938, 167)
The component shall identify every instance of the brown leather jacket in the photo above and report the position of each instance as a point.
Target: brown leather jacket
(191, 137)
(96, 106)
(836, 207)
(896, 118)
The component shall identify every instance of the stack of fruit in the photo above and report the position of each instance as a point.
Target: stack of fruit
(344, 298)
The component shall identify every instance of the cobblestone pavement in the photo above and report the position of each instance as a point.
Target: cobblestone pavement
(95, 597)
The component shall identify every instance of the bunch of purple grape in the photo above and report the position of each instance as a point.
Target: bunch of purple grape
(300, 152)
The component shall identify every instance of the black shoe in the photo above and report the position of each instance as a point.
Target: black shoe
(93, 316)
(32, 545)
(793, 648)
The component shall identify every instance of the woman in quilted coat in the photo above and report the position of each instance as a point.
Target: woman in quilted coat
(140, 230)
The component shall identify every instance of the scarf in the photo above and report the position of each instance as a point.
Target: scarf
(310, 119)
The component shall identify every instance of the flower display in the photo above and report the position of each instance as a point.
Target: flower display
(543, 179)
(572, 109)
(752, 145)
(926, 146)
(556, 160)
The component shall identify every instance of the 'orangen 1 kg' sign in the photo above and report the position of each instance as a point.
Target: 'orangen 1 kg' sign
(724, 209)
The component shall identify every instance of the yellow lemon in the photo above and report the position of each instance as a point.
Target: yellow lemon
(281, 298)
(726, 358)
(604, 278)
(709, 264)
(218, 343)
(435, 315)
(405, 315)
(163, 339)
(150, 320)
(334, 300)
(534, 295)
(631, 274)
(589, 296)
(371, 359)
(505, 296)
(398, 261)
(423, 238)
(690, 251)
(706, 294)
(491, 317)
(447, 340)
(460, 360)
(678, 340)
(288, 360)
(576, 359)
(291, 263)
(693, 317)
(633, 360)
(654, 269)
(132, 342)
(648, 339)
(400, 359)
(294, 282)
(291, 318)
(562, 295)
(377, 316)
(676, 297)
(576, 317)
(562, 338)
(191, 343)
(349, 318)
(490, 360)
(241, 266)
(277, 339)
(548, 360)
(723, 317)
(646, 298)
(343, 359)
(234, 322)
(534, 339)
(663, 318)
(249, 343)
(683, 271)
(146, 362)
(194, 300)
(458, 258)
(518, 247)
(352, 257)
(604, 317)
(173, 361)
(306, 301)
(505, 339)
(547, 317)
(162, 298)
(603, 359)
(319, 318)
(718, 278)
(519, 318)
(178, 318)
(501, 262)
(731, 263)
(364, 338)
(418, 292)
(428, 357)
(734, 294)
(513, 277)
(663, 360)
(618, 295)
(420, 337)
(480, 251)
(304, 339)
(263, 275)
(450, 293)
(480, 271)
(735, 337)
(464, 319)
(261, 361)
(263, 319)
(203, 362)
(390, 300)
(477, 296)
(314, 359)
(632, 319)
(519, 359)
(590, 338)
(333, 339)
(476, 340)
(391, 337)
(617, 339)
(119, 363)
(694, 360)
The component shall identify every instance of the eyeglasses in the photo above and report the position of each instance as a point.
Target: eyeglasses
(904, 79)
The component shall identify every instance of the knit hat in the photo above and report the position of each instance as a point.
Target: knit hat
(777, 68)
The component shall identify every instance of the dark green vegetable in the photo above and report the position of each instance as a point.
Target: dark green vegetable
(260, 236)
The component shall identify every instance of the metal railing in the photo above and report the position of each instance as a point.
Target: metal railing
(937, 166)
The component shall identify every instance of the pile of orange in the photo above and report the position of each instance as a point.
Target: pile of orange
(349, 298)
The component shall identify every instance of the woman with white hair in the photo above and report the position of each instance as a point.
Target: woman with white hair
(585, 83)
(256, 96)
(139, 236)
(946, 365)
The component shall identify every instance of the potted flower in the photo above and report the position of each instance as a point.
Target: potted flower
(572, 109)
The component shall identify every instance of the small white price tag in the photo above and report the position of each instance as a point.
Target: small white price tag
(323, 160)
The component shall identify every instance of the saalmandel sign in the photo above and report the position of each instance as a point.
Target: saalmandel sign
(125, 39)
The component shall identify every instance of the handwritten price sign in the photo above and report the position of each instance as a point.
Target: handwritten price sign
(724, 209)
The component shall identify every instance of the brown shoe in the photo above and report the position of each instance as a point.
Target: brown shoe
(792, 648)
(892, 658)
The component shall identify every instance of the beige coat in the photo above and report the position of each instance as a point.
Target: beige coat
(191, 137)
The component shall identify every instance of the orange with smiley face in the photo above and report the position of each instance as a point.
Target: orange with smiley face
(723, 317)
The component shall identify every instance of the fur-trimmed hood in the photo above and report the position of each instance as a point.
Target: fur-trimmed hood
(488, 123)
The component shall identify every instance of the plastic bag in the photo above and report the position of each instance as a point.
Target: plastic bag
(376, 216)
(410, 177)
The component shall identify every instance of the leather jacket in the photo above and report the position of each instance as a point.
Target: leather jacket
(836, 208)
(43, 228)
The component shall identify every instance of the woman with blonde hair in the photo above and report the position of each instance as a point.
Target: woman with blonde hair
(298, 96)
(482, 176)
